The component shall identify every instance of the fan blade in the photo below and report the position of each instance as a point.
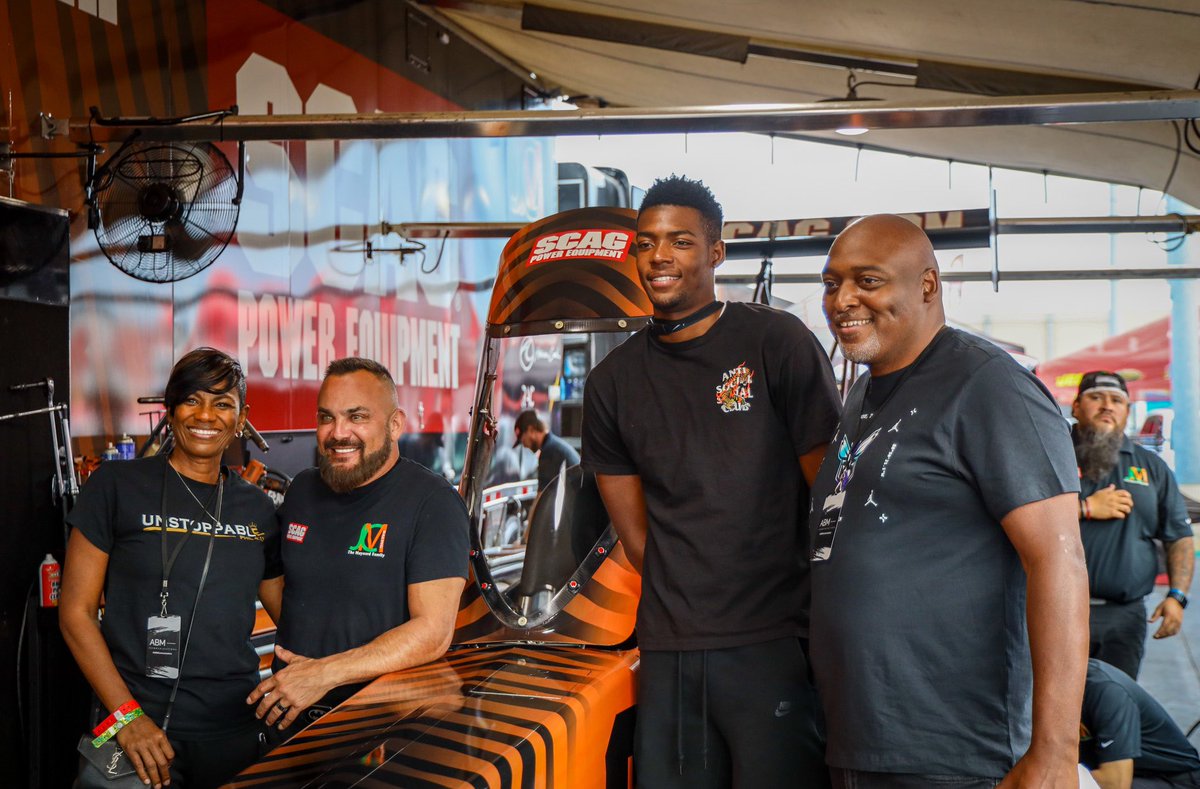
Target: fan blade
(133, 203)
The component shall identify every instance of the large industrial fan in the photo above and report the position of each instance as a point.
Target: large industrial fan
(165, 211)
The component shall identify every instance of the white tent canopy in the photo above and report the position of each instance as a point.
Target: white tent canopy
(788, 51)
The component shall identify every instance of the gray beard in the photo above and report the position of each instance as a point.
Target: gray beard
(1096, 451)
(344, 480)
(864, 352)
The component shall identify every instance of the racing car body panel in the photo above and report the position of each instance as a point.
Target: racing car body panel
(573, 266)
(539, 687)
(575, 271)
(489, 718)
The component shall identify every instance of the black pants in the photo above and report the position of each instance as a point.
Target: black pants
(1179, 781)
(746, 717)
(1118, 635)
(856, 779)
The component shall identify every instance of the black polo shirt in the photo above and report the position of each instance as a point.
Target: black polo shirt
(1121, 720)
(1121, 558)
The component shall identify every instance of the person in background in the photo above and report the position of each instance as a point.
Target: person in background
(704, 430)
(949, 610)
(1128, 499)
(554, 454)
(141, 534)
(1128, 740)
(387, 535)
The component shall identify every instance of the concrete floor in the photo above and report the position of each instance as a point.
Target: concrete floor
(1171, 668)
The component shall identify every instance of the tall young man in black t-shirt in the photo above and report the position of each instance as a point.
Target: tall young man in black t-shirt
(942, 517)
(374, 553)
(704, 430)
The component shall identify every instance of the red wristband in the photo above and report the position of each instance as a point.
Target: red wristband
(118, 714)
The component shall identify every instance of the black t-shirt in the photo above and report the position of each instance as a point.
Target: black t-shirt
(1121, 557)
(1122, 721)
(553, 454)
(349, 558)
(714, 426)
(918, 635)
(120, 511)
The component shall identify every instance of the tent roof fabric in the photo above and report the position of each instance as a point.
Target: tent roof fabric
(1141, 356)
(980, 44)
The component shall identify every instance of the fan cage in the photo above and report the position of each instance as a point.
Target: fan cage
(166, 211)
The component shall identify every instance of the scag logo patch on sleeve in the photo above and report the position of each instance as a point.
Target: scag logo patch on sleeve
(296, 532)
(599, 244)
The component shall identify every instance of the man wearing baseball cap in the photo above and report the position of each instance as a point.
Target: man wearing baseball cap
(1128, 499)
(554, 454)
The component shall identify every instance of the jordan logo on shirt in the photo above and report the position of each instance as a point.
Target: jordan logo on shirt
(370, 541)
(734, 392)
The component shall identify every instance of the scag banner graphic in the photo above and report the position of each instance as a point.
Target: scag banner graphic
(314, 273)
(831, 226)
(602, 244)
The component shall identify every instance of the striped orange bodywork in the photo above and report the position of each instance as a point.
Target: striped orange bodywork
(496, 717)
(536, 705)
(530, 293)
(263, 626)
(602, 612)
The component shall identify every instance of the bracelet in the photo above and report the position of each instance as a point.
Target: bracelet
(1085, 509)
(1178, 596)
(120, 721)
(118, 714)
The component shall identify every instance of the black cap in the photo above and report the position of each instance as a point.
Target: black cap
(1102, 381)
(525, 420)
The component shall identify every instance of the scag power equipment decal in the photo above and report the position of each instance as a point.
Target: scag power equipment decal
(611, 244)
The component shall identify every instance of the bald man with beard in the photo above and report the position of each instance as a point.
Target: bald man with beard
(944, 512)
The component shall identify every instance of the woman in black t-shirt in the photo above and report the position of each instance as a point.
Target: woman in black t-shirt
(145, 533)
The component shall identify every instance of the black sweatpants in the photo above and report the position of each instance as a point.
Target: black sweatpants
(1177, 781)
(745, 717)
(1118, 635)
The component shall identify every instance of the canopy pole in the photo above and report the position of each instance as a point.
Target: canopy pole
(1185, 364)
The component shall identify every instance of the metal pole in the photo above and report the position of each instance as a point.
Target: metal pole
(1112, 261)
(761, 118)
(1185, 366)
(1188, 272)
(1170, 223)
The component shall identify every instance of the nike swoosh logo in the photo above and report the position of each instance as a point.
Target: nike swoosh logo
(1106, 743)
(783, 709)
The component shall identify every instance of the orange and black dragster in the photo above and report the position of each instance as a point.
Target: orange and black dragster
(538, 689)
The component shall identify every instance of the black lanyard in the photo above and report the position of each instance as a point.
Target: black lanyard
(856, 407)
(168, 563)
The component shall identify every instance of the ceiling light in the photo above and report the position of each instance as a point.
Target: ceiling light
(854, 127)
